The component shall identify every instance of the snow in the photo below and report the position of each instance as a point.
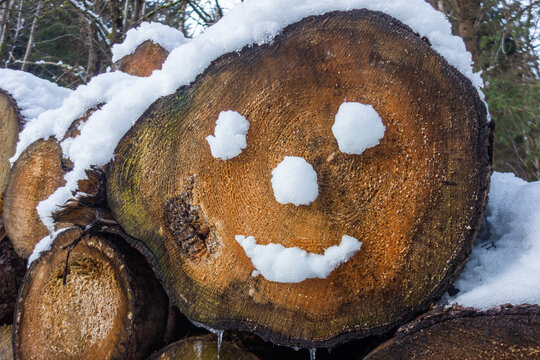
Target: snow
(32, 94)
(294, 181)
(43, 245)
(169, 38)
(357, 127)
(504, 266)
(229, 135)
(251, 22)
(292, 265)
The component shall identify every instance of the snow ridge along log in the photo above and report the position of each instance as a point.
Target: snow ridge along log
(202, 348)
(507, 332)
(415, 201)
(111, 306)
(10, 124)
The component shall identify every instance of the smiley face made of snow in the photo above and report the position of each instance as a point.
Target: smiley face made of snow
(186, 207)
(294, 181)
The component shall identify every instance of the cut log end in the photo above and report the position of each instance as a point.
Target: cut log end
(415, 200)
(109, 307)
(202, 348)
(147, 58)
(507, 332)
(11, 122)
(35, 176)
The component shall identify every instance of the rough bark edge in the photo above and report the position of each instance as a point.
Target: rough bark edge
(130, 257)
(18, 110)
(484, 148)
(439, 314)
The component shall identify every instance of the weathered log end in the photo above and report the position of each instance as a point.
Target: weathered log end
(203, 348)
(12, 269)
(6, 349)
(110, 306)
(415, 200)
(506, 332)
(11, 122)
(36, 174)
(147, 58)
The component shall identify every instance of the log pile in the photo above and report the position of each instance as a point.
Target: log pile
(165, 209)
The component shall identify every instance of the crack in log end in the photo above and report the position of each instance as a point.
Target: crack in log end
(187, 228)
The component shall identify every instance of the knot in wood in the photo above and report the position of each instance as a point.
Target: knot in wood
(186, 226)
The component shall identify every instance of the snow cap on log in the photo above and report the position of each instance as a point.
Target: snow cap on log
(168, 38)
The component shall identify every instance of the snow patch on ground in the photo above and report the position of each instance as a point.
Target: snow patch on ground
(504, 266)
(229, 137)
(294, 181)
(357, 127)
(251, 22)
(166, 36)
(292, 265)
(32, 94)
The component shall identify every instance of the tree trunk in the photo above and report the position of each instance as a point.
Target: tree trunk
(6, 351)
(12, 270)
(202, 348)
(415, 201)
(109, 307)
(147, 58)
(507, 332)
(467, 11)
(5, 21)
(31, 37)
(11, 122)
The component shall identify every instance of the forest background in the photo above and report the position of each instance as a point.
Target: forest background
(69, 41)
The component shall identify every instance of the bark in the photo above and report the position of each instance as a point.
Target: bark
(31, 37)
(506, 332)
(415, 201)
(147, 58)
(203, 348)
(11, 122)
(6, 352)
(12, 269)
(110, 306)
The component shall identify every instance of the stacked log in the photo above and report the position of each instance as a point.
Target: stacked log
(415, 201)
(97, 299)
(507, 332)
(9, 133)
(203, 348)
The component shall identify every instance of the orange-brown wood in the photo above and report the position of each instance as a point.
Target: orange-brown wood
(504, 333)
(202, 348)
(10, 123)
(415, 200)
(111, 306)
(12, 269)
(147, 58)
(36, 174)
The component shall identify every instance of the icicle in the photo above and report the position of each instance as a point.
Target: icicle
(312, 353)
(219, 340)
